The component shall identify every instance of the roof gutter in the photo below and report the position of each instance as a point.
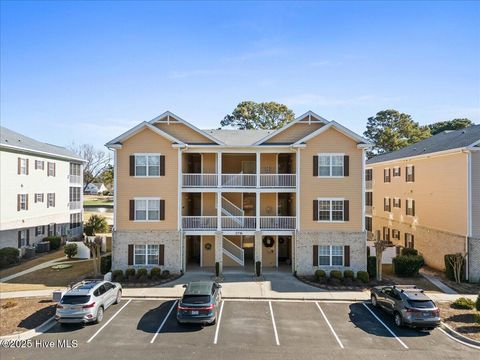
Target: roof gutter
(406, 158)
(30, 151)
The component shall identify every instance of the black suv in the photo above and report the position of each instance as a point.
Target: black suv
(199, 303)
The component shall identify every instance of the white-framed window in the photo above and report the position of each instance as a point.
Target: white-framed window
(147, 164)
(396, 202)
(22, 238)
(386, 175)
(410, 208)
(387, 204)
(50, 169)
(410, 177)
(39, 164)
(330, 165)
(330, 255)
(23, 166)
(39, 197)
(146, 254)
(22, 198)
(396, 171)
(395, 234)
(51, 200)
(75, 169)
(39, 230)
(330, 210)
(409, 241)
(147, 209)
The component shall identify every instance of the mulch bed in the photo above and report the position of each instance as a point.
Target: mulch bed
(26, 314)
(356, 285)
(460, 320)
(150, 283)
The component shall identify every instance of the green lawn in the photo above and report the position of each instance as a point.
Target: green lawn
(98, 203)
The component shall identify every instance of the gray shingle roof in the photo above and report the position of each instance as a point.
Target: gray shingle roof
(11, 138)
(446, 140)
(238, 137)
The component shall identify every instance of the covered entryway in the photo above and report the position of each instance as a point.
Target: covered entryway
(284, 251)
(193, 251)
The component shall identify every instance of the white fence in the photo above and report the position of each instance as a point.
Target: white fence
(238, 223)
(199, 222)
(277, 222)
(200, 180)
(239, 180)
(278, 180)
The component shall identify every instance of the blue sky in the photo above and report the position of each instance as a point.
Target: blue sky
(87, 71)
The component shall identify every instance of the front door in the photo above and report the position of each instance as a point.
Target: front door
(284, 164)
(284, 204)
(195, 204)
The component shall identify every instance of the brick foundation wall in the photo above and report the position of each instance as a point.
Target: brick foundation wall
(474, 260)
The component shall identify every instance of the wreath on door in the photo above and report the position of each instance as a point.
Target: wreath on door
(208, 246)
(268, 241)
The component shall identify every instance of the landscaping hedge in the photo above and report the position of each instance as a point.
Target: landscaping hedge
(9, 256)
(463, 303)
(336, 274)
(117, 275)
(156, 273)
(372, 266)
(407, 266)
(320, 274)
(409, 252)
(142, 274)
(477, 303)
(449, 269)
(55, 242)
(70, 250)
(106, 264)
(348, 274)
(363, 276)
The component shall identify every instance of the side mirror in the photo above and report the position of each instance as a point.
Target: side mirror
(219, 286)
(185, 285)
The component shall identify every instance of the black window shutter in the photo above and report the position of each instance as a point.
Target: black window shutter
(346, 255)
(413, 241)
(346, 210)
(315, 255)
(26, 165)
(130, 254)
(413, 207)
(132, 210)
(405, 239)
(389, 175)
(315, 165)
(161, 255)
(28, 236)
(132, 165)
(315, 210)
(389, 204)
(346, 165)
(19, 239)
(399, 171)
(54, 229)
(162, 209)
(413, 173)
(18, 202)
(162, 165)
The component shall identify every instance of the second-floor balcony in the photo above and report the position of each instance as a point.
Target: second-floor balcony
(238, 223)
(75, 179)
(75, 205)
(201, 180)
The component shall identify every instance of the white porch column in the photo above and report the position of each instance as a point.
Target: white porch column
(219, 211)
(257, 163)
(219, 249)
(257, 211)
(258, 248)
(297, 189)
(219, 169)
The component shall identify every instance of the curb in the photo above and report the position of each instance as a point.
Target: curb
(31, 333)
(459, 337)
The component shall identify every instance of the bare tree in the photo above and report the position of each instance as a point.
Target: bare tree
(380, 246)
(456, 261)
(97, 162)
(95, 246)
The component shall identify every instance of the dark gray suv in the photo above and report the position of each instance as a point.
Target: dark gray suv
(199, 303)
(409, 305)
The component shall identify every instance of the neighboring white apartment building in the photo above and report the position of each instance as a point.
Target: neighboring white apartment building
(41, 191)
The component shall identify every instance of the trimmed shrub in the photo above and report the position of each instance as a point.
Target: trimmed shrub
(407, 266)
(336, 274)
(142, 273)
(70, 250)
(464, 303)
(363, 276)
(88, 230)
(476, 317)
(320, 274)
(409, 252)
(9, 256)
(449, 269)
(117, 275)
(258, 268)
(130, 272)
(348, 274)
(156, 273)
(372, 266)
(477, 303)
(106, 264)
(55, 242)
(165, 274)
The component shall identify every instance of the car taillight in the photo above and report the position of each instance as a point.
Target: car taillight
(180, 307)
(211, 307)
(436, 312)
(411, 311)
(59, 306)
(88, 306)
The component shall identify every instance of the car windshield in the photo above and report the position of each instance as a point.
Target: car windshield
(196, 299)
(75, 299)
(421, 304)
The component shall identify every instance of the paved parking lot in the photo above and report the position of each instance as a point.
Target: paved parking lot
(256, 329)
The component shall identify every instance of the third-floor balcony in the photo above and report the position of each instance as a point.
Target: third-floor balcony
(239, 180)
(238, 223)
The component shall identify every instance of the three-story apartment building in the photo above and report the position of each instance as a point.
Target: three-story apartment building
(186, 197)
(427, 196)
(41, 191)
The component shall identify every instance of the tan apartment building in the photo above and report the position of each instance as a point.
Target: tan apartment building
(187, 198)
(40, 191)
(427, 196)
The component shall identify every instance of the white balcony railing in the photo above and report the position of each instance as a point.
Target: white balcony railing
(75, 179)
(277, 222)
(278, 180)
(75, 205)
(200, 180)
(368, 184)
(199, 222)
(368, 210)
(233, 251)
(238, 223)
(239, 180)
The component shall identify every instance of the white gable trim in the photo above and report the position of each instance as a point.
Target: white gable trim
(298, 119)
(112, 144)
(337, 126)
(179, 119)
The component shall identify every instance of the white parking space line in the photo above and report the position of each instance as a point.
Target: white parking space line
(163, 322)
(386, 327)
(215, 340)
(109, 320)
(330, 326)
(274, 325)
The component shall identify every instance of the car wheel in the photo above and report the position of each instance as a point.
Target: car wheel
(398, 319)
(374, 301)
(99, 315)
(119, 297)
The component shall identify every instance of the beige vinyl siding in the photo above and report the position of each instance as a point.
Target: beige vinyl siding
(232, 163)
(268, 163)
(476, 193)
(268, 204)
(183, 133)
(209, 163)
(164, 187)
(235, 198)
(269, 255)
(439, 191)
(349, 188)
(209, 202)
(294, 133)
